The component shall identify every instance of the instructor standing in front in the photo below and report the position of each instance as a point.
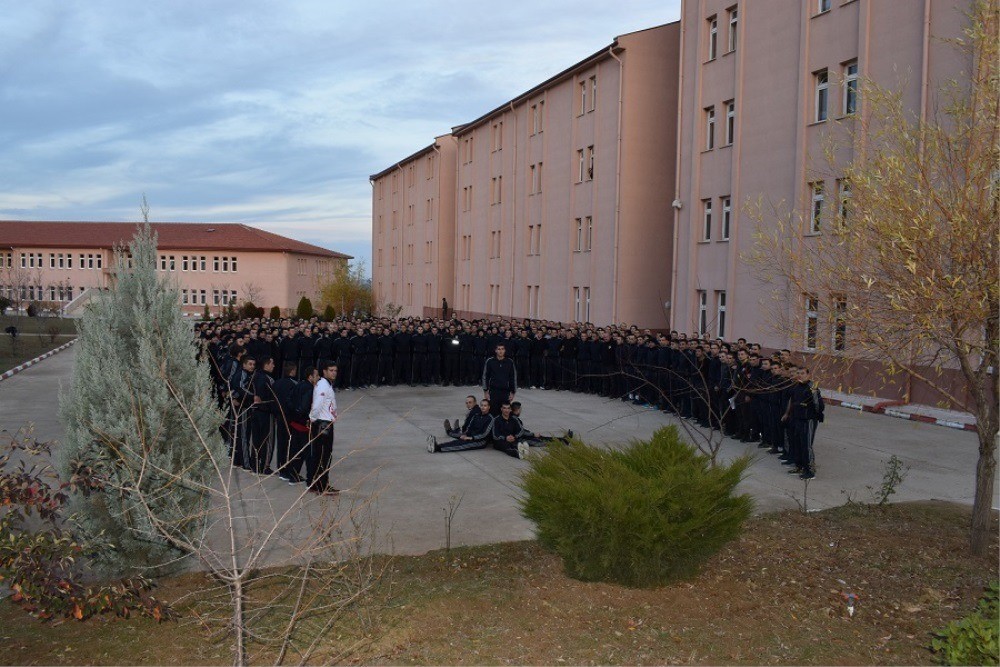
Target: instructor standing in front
(322, 416)
(499, 380)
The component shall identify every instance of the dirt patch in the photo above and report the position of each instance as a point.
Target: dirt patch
(773, 596)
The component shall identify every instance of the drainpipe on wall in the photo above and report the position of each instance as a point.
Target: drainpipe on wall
(618, 186)
(437, 227)
(513, 214)
(677, 181)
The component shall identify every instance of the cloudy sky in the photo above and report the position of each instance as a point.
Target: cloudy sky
(267, 112)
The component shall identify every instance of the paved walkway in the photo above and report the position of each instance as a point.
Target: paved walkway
(382, 432)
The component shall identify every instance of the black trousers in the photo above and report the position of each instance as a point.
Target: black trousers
(497, 398)
(468, 369)
(320, 451)
(432, 372)
(290, 450)
(461, 445)
(451, 366)
(536, 372)
(257, 455)
(384, 373)
(404, 369)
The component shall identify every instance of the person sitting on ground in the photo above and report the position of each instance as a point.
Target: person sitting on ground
(533, 439)
(507, 432)
(459, 428)
(475, 437)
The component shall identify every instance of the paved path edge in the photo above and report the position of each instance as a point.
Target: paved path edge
(886, 408)
(28, 364)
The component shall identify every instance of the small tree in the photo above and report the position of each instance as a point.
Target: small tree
(5, 303)
(249, 310)
(206, 314)
(908, 265)
(130, 337)
(329, 314)
(32, 309)
(275, 313)
(349, 291)
(305, 308)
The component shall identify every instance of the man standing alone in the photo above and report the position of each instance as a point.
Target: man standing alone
(322, 416)
(499, 380)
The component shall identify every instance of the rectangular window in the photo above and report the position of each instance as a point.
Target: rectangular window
(590, 163)
(215, 264)
(822, 78)
(538, 239)
(824, 6)
(184, 297)
(576, 304)
(184, 262)
(593, 92)
(52, 260)
(586, 304)
(232, 296)
(215, 297)
(539, 188)
(713, 37)
(816, 211)
(850, 88)
(710, 128)
(203, 263)
(24, 260)
(69, 260)
(100, 261)
(579, 235)
(582, 87)
(706, 227)
(588, 243)
(702, 312)
(232, 265)
(225, 265)
(727, 215)
(720, 317)
(533, 184)
(497, 136)
(579, 159)
(844, 197)
(203, 294)
(839, 323)
(812, 321)
(733, 25)
(730, 122)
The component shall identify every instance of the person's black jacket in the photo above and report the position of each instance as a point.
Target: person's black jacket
(480, 427)
(504, 427)
(499, 375)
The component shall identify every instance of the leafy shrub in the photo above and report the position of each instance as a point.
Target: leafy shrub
(32, 309)
(975, 639)
(42, 561)
(644, 516)
(275, 313)
(249, 310)
(5, 303)
(328, 313)
(206, 315)
(305, 308)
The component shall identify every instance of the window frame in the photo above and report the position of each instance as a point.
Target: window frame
(821, 98)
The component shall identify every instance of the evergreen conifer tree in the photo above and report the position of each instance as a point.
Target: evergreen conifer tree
(122, 419)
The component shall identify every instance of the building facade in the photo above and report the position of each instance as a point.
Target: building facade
(413, 229)
(56, 264)
(764, 84)
(559, 196)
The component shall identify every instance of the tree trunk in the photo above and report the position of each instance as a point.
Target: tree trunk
(239, 635)
(982, 508)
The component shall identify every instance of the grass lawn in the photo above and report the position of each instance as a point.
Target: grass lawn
(37, 335)
(773, 596)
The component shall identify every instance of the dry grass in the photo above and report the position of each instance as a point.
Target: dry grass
(771, 597)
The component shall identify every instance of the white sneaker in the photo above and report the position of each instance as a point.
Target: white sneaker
(431, 444)
(523, 450)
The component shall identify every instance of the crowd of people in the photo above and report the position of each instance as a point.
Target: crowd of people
(277, 379)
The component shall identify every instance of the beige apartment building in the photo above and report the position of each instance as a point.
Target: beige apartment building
(61, 264)
(413, 229)
(763, 83)
(559, 198)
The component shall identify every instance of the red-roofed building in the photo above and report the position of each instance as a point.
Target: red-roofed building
(214, 264)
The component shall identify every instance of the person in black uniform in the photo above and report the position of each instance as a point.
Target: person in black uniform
(804, 411)
(371, 356)
(481, 350)
(507, 432)
(306, 348)
(403, 355)
(419, 344)
(358, 372)
(343, 354)
(386, 343)
(432, 371)
(462, 427)
(289, 346)
(450, 357)
(476, 437)
(258, 453)
(467, 356)
(241, 392)
(499, 379)
(284, 392)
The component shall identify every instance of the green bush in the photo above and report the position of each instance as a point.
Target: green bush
(305, 308)
(275, 313)
(329, 314)
(644, 516)
(975, 639)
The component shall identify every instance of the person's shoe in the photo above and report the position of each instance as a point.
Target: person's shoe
(569, 433)
(447, 426)
(773, 450)
(808, 474)
(432, 444)
(522, 450)
(795, 471)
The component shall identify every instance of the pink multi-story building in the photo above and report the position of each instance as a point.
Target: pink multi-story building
(413, 229)
(763, 85)
(558, 201)
(60, 264)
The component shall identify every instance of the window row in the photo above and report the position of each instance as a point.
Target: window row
(708, 221)
(586, 95)
(838, 323)
(849, 95)
(197, 263)
(713, 33)
(730, 127)
(581, 304)
(817, 193)
(54, 293)
(705, 324)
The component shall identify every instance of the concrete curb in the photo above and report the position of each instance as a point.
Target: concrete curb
(28, 364)
(886, 408)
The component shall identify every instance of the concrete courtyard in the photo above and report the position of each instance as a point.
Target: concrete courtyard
(382, 432)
